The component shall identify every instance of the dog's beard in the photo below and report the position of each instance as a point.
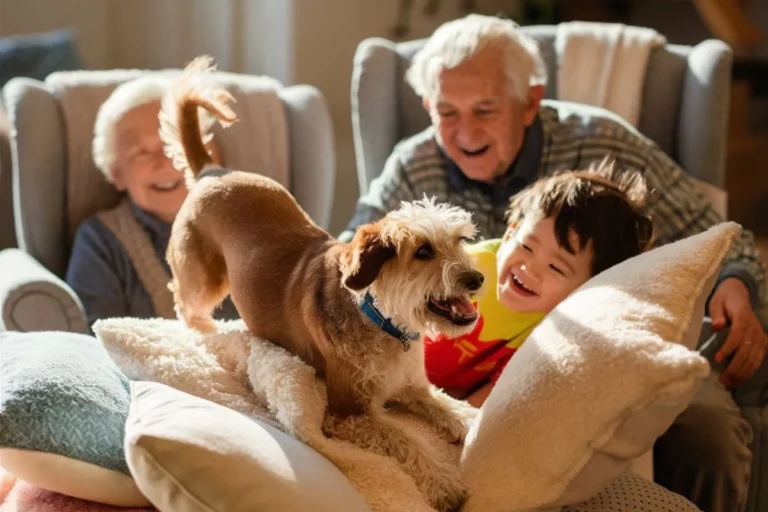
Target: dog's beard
(404, 298)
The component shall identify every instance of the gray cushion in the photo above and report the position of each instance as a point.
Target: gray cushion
(62, 394)
(38, 55)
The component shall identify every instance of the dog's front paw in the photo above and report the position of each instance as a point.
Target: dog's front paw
(458, 422)
(455, 429)
(443, 488)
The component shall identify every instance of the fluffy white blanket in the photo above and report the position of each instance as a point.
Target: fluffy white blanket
(238, 370)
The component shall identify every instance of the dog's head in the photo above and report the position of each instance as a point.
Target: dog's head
(414, 264)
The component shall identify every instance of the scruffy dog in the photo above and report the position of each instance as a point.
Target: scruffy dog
(351, 311)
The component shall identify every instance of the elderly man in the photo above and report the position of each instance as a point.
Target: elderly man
(492, 134)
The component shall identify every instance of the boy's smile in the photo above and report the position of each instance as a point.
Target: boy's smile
(535, 272)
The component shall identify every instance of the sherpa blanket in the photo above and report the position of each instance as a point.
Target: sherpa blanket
(238, 370)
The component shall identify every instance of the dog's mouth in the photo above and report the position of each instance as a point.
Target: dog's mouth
(457, 310)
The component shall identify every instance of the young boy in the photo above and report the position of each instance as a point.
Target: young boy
(562, 231)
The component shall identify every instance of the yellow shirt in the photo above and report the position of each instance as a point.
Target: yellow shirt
(469, 361)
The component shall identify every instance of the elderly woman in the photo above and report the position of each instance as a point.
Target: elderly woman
(118, 266)
(492, 134)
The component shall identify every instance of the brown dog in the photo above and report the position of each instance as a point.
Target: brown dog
(349, 310)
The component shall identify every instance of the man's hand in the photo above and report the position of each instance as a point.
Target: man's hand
(747, 340)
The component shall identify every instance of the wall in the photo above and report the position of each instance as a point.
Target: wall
(296, 41)
(681, 23)
(86, 17)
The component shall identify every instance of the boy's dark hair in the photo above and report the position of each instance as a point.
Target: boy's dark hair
(599, 204)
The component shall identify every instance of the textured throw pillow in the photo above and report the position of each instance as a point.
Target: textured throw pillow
(38, 55)
(597, 382)
(191, 455)
(62, 416)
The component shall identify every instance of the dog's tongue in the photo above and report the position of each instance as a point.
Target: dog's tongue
(462, 307)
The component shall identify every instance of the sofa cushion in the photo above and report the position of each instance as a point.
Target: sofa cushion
(51, 482)
(189, 454)
(62, 396)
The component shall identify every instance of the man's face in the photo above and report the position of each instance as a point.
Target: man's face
(141, 168)
(479, 123)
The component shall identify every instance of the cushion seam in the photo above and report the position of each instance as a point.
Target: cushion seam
(152, 460)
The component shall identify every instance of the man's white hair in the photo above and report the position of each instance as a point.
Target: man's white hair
(124, 98)
(457, 41)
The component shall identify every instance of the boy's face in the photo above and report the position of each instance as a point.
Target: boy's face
(535, 272)
(141, 168)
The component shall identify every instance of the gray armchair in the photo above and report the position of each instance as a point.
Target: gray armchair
(54, 191)
(684, 108)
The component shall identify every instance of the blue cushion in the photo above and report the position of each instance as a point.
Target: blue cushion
(62, 394)
(38, 55)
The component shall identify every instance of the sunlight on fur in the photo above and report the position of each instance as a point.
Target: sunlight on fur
(351, 311)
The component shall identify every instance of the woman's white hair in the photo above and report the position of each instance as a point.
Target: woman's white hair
(124, 98)
(457, 41)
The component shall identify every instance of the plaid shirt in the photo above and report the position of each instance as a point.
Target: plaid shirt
(564, 136)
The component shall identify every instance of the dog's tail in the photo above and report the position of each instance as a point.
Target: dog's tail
(183, 131)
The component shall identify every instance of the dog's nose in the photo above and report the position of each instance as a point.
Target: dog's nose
(473, 281)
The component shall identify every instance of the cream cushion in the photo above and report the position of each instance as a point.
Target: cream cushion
(188, 454)
(597, 381)
(72, 477)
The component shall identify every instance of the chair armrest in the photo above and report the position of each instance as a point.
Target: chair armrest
(312, 151)
(375, 107)
(37, 147)
(33, 299)
(703, 125)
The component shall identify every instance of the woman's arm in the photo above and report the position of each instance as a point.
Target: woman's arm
(94, 275)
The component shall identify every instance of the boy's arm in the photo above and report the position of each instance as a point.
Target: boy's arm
(477, 398)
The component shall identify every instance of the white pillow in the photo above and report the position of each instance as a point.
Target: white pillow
(597, 382)
(188, 454)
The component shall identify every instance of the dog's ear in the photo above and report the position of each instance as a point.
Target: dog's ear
(363, 258)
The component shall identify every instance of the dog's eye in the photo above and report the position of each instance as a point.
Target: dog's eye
(424, 252)
(466, 239)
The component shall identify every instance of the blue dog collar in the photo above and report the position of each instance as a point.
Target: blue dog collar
(386, 325)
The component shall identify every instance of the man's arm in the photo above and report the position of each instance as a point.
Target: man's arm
(679, 210)
(384, 195)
